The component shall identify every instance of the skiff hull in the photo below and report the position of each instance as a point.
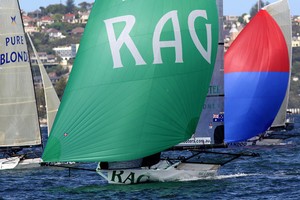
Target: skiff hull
(29, 163)
(161, 172)
(17, 163)
(9, 163)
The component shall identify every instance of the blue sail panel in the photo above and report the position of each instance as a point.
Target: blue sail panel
(252, 102)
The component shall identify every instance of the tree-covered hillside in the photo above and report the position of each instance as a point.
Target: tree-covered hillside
(294, 101)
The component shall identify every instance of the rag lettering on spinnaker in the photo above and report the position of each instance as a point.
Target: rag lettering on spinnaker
(124, 38)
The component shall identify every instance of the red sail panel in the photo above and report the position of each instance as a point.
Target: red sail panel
(258, 51)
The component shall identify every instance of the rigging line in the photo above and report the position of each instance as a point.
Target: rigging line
(67, 167)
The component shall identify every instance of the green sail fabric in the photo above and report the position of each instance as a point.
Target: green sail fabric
(139, 80)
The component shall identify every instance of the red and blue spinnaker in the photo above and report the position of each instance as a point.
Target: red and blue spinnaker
(256, 68)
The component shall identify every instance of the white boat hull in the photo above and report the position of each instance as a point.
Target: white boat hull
(29, 163)
(9, 163)
(17, 163)
(161, 172)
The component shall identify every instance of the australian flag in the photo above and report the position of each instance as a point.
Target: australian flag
(218, 117)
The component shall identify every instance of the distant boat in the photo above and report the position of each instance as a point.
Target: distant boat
(19, 125)
(20, 136)
(257, 71)
(280, 11)
(137, 87)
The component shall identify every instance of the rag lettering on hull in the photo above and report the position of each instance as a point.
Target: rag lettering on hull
(128, 177)
(125, 38)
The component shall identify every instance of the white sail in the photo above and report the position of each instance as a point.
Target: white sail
(280, 11)
(51, 98)
(19, 124)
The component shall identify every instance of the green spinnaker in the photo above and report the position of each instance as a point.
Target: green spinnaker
(139, 80)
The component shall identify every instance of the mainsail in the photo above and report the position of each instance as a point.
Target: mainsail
(256, 78)
(19, 124)
(139, 80)
(51, 98)
(280, 11)
(212, 115)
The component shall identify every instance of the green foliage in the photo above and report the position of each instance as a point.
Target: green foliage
(56, 11)
(57, 17)
(296, 55)
(295, 85)
(43, 11)
(64, 27)
(241, 19)
(55, 8)
(43, 43)
(40, 98)
(71, 61)
(59, 70)
(60, 87)
(296, 28)
(70, 7)
(255, 7)
(35, 70)
(84, 6)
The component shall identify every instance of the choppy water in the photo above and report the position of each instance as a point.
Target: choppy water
(273, 175)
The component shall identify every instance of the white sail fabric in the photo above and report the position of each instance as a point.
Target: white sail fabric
(280, 11)
(51, 98)
(19, 124)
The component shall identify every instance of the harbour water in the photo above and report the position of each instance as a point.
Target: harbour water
(275, 174)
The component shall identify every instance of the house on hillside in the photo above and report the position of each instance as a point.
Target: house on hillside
(42, 56)
(54, 33)
(83, 17)
(77, 31)
(28, 21)
(296, 42)
(31, 29)
(66, 53)
(296, 20)
(46, 20)
(69, 18)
